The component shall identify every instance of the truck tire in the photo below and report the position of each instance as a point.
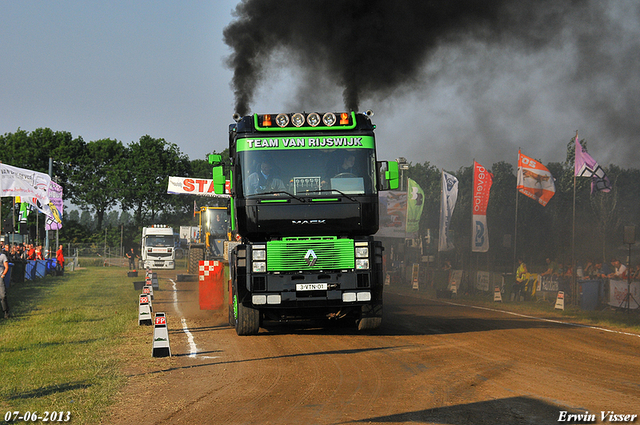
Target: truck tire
(371, 317)
(196, 254)
(247, 319)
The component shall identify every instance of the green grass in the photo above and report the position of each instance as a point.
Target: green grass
(68, 341)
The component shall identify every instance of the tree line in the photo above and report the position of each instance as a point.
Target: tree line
(123, 187)
(102, 176)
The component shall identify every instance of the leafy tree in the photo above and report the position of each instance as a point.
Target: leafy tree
(96, 178)
(149, 164)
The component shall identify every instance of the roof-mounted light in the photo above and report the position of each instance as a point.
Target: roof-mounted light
(313, 119)
(282, 120)
(329, 119)
(297, 119)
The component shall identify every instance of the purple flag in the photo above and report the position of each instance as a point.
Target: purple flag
(585, 166)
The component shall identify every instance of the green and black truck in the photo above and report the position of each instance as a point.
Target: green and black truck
(304, 204)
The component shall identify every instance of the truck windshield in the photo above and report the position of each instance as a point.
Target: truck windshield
(160, 240)
(308, 171)
(216, 222)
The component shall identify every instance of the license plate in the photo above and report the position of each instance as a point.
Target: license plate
(311, 286)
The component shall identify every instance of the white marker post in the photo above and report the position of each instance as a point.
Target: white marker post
(560, 301)
(497, 295)
(148, 290)
(144, 310)
(161, 347)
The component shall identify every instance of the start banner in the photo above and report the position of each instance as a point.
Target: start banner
(192, 186)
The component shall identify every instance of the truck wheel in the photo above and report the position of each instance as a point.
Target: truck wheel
(196, 254)
(247, 319)
(371, 317)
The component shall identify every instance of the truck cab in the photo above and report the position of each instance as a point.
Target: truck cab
(158, 247)
(304, 200)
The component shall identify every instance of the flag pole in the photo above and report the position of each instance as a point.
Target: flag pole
(440, 218)
(515, 231)
(473, 182)
(573, 231)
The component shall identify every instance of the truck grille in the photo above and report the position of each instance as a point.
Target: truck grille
(331, 253)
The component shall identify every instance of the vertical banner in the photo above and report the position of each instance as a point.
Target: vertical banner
(415, 203)
(55, 195)
(482, 181)
(448, 203)
(535, 180)
(393, 214)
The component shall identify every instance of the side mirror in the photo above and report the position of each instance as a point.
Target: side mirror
(219, 179)
(388, 175)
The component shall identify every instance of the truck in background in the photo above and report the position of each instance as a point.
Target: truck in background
(158, 247)
(304, 201)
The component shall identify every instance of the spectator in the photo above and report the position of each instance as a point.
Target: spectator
(4, 263)
(39, 253)
(620, 271)
(31, 252)
(132, 259)
(59, 261)
(522, 278)
(598, 271)
(552, 268)
(588, 269)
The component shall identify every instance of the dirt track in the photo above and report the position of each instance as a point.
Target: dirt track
(431, 362)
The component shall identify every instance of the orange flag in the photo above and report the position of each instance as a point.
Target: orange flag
(535, 180)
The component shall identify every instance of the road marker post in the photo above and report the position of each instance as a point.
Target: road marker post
(144, 310)
(560, 301)
(497, 295)
(148, 290)
(161, 347)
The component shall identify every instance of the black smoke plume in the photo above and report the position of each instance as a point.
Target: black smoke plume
(372, 47)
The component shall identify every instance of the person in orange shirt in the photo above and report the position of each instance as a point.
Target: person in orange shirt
(60, 261)
(31, 253)
(39, 255)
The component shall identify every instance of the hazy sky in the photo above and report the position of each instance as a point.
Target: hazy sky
(123, 69)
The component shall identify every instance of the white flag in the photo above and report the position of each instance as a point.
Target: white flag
(31, 186)
(449, 198)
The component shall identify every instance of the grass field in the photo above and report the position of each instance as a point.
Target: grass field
(67, 344)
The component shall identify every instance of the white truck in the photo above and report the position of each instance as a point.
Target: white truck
(158, 247)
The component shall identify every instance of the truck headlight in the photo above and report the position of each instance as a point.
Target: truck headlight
(362, 263)
(259, 267)
(362, 252)
(259, 255)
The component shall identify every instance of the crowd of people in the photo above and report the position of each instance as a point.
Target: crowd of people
(20, 254)
(588, 270)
